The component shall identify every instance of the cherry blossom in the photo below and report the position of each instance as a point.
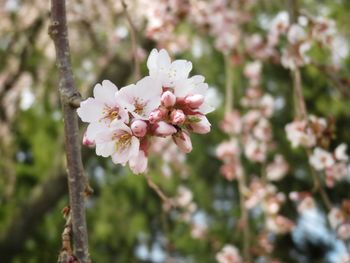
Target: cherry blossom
(165, 103)
(321, 159)
(229, 254)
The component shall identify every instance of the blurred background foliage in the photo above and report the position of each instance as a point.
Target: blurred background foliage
(126, 221)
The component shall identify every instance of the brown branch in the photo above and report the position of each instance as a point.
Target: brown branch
(300, 108)
(76, 179)
(133, 36)
(159, 191)
(229, 85)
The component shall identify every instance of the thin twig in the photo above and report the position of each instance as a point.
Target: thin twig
(229, 104)
(76, 179)
(133, 36)
(159, 191)
(301, 112)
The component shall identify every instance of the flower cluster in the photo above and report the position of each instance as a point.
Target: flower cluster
(316, 134)
(270, 201)
(334, 165)
(165, 103)
(301, 36)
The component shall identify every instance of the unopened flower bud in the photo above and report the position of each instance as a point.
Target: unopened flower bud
(183, 141)
(168, 99)
(164, 129)
(155, 116)
(139, 128)
(194, 101)
(177, 117)
(88, 142)
(201, 125)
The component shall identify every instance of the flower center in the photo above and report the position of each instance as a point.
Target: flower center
(123, 141)
(110, 113)
(139, 106)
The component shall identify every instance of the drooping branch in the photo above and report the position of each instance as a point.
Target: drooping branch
(133, 42)
(69, 96)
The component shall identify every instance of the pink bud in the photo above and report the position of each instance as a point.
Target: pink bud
(202, 126)
(194, 101)
(183, 141)
(88, 142)
(164, 129)
(139, 128)
(168, 99)
(177, 117)
(155, 116)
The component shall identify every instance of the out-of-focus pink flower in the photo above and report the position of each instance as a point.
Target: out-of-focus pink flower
(229, 254)
(343, 231)
(279, 224)
(255, 150)
(298, 133)
(340, 152)
(321, 159)
(277, 169)
(335, 217)
(232, 123)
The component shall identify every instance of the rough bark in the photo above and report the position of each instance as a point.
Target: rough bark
(70, 100)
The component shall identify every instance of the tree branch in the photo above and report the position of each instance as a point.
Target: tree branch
(133, 42)
(76, 179)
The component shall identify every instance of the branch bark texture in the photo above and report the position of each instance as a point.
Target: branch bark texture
(69, 95)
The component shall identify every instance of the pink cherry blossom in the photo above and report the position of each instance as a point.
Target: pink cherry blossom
(118, 142)
(321, 159)
(340, 152)
(276, 170)
(101, 110)
(142, 98)
(229, 254)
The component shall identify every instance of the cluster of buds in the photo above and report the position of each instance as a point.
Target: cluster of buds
(165, 103)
